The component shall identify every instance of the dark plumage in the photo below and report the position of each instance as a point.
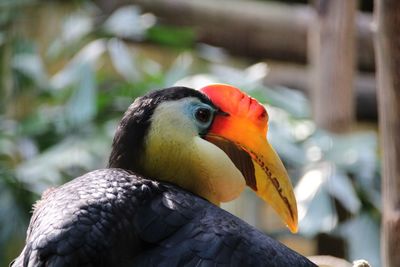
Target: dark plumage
(112, 217)
(117, 217)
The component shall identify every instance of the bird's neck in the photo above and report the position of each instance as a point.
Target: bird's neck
(174, 162)
(193, 164)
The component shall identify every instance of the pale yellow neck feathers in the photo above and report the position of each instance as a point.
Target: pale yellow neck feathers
(174, 152)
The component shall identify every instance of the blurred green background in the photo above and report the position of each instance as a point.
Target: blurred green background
(68, 71)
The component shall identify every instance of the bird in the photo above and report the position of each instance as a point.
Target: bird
(176, 155)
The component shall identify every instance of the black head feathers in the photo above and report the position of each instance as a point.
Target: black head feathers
(130, 135)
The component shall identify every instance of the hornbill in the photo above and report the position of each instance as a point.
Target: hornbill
(176, 155)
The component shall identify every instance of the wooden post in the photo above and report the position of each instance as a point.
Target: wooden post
(332, 60)
(387, 45)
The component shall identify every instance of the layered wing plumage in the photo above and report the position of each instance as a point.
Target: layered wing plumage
(112, 217)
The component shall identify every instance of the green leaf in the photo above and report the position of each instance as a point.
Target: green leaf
(82, 153)
(15, 204)
(127, 22)
(123, 60)
(179, 69)
(82, 106)
(88, 55)
(179, 37)
(342, 189)
(31, 65)
(76, 26)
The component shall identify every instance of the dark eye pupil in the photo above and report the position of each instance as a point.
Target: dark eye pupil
(203, 115)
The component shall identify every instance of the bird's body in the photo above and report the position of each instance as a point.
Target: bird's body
(121, 219)
(157, 203)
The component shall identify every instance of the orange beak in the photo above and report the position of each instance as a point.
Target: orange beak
(242, 134)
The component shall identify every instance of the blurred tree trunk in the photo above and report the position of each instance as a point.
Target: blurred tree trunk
(387, 45)
(332, 59)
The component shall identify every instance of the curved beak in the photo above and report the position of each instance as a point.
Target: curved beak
(240, 130)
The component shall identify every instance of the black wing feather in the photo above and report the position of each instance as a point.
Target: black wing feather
(112, 217)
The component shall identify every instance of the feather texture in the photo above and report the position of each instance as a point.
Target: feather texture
(113, 217)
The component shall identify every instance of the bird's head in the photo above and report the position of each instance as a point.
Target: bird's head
(211, 142)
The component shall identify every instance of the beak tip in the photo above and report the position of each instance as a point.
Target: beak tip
(293, 228)
(292, 221)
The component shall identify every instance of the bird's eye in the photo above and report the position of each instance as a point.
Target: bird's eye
(203, 115)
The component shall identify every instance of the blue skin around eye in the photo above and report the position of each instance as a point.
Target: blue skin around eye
(191, 111)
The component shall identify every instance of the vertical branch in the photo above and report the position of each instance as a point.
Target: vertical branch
(387, 45)
(332, 59)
